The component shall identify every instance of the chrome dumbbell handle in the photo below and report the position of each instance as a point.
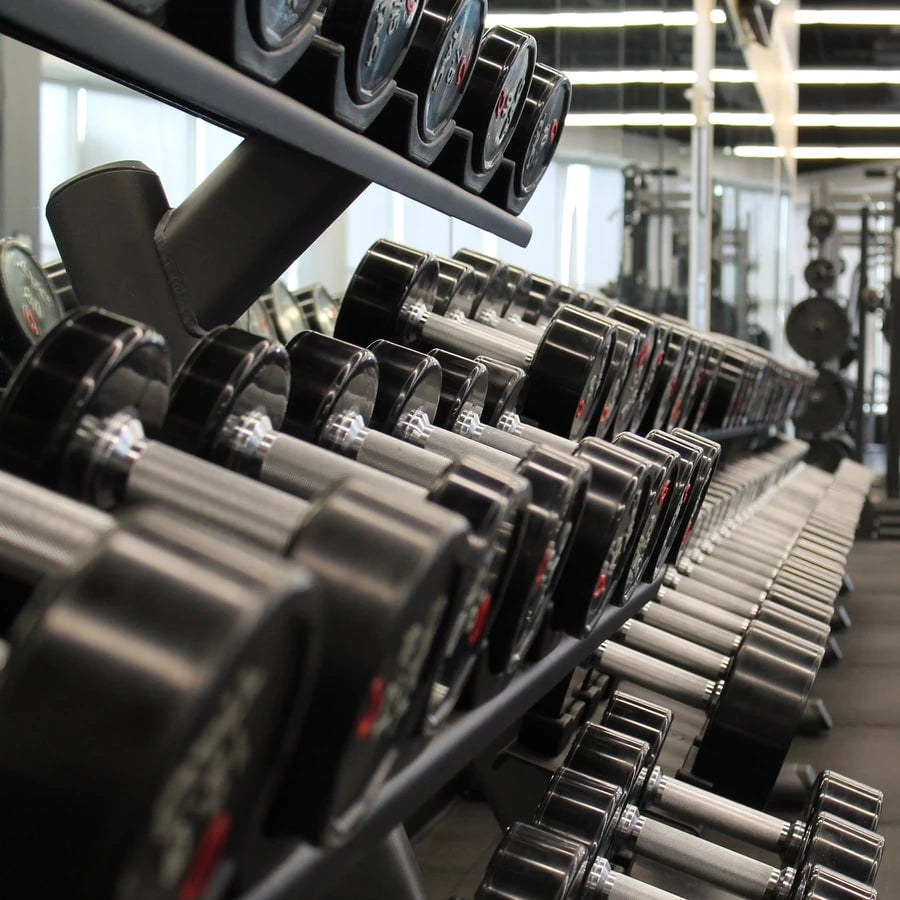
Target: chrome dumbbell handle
(602, 883)
(745, 822)
(725, 868)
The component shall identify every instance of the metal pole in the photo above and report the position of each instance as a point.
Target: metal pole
(704, 48)
(893, 436)
(862, 333)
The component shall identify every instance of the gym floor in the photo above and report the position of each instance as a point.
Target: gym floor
(862, 694)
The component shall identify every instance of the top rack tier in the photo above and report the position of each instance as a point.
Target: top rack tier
(99, 36)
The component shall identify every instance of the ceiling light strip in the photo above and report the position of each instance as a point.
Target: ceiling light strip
(530, 21)
(868, 17)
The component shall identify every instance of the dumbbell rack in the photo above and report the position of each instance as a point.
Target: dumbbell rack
(109, 41)
(98, 36)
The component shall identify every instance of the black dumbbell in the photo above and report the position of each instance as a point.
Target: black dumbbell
(753, 713)
(71, 418)
(29, 307)
(606, 756)
(376, 37)
(157, 683)
(531, 863)
(494, 101)
(465, 293)
(437, 68)
(227, 402)
(534, 141)
(391, 295)
(262, 37)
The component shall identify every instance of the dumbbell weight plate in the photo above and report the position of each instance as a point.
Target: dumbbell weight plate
(495, 99)
(533, 864)
(745, 744)
(29, 306)
(276, 22)
(179, 678)
(820, 274)
(818, 329)
(828, 404)
(119, 359)
(376, 35)
(821, 223)
(540, 128)
(440, 61)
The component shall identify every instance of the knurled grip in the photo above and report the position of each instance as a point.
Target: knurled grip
(40, 530)
(202, 491)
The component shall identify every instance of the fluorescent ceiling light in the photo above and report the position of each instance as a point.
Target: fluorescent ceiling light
(529, 21)
(632, 76)
(597, 77)
(758, 151)
(847, 120)
(847, 76)
(620, 120)
(846, 153)
(747, 120)
(877, 17)
(667, 120)
(733, 76)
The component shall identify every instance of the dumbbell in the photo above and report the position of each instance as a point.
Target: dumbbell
(438, 67)
(753, 713)
(724, 401)
(464, 293)
(532, 863)
(601, 815)
(391, 295)
(156, 688)
(376, 37)
(494, 101)
(677, 367)
(71, 419)
(29, 307)
(706, 377)
(264, 38)
(226, 403)
(603, 754)
(582, 586)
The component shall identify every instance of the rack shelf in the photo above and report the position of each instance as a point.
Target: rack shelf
(99, 36)
(308, 871)
(746, 433)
